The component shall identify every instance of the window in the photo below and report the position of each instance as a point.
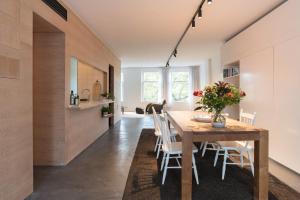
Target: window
(151, 86)
(180, 86)
(122, 87)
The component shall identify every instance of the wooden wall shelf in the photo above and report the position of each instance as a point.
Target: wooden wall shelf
(108, 115)
(89, 105)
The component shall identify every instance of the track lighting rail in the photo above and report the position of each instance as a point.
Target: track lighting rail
(192, 24)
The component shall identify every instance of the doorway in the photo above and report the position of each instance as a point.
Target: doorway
(48, 93)
(111, 90)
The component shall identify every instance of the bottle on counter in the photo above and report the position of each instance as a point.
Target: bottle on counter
(77, 100)
(72, 98)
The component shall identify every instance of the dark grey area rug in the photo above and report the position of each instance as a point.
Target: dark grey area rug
(144, 179)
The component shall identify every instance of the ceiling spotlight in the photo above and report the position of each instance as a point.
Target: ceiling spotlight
(175, 53)
(200, 13)
(209, 2)
(193, 23)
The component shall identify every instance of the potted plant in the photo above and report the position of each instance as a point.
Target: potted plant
(215, 98)
(105, 110)
(108, 95)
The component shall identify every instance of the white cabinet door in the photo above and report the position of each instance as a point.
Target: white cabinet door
(256, 79)
(285, 146)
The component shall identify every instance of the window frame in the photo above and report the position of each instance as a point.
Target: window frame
(171, 82)
(122, 87)
(159, 98)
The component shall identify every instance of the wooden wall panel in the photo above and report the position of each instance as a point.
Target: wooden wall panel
(9, 67)
(48, 93)
(9, 34)
(85, 132)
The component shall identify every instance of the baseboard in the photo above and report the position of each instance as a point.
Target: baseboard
(285, 174)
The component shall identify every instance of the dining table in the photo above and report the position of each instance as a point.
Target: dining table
(191, 130)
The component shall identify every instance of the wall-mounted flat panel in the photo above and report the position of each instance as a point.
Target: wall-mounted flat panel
(285, 139)
(10, 7)
(9, 31)
(9, 68)
(256, 79)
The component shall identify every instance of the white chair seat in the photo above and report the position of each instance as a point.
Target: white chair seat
(176, 148)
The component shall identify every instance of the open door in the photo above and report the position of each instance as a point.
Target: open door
(111, 90)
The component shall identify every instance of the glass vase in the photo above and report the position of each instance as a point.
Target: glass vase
(218, 120)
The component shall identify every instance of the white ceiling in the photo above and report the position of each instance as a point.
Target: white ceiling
(143, 33)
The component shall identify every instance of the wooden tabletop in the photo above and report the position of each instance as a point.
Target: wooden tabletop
(183, 121)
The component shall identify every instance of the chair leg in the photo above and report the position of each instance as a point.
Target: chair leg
(251, 162)
(163, 162)
(201, 146)
(178, 163)
(242, 159)
(173, 138)
(166, 168)
(156, 144)
(159, 148)
(195, 169)
(224, 164)
(204, 148)
(216, 157)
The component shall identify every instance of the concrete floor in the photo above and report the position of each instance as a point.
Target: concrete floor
(98, 173)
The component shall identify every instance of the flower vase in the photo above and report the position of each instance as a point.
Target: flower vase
(218, 120)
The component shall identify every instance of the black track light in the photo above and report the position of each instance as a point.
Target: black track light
(193, 23)
(175, 53)
(200, 13)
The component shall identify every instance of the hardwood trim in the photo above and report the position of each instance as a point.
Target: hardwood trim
(186, 172)
(261, 166)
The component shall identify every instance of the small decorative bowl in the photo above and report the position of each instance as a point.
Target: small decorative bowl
(202, 118)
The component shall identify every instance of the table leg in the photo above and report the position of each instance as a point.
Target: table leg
(186, 173)
(261, 167)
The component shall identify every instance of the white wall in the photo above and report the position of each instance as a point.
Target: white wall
(132, 87)
(269, 55)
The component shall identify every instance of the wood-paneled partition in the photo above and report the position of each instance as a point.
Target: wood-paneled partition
(16, 111)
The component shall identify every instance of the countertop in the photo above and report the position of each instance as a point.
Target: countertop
(88, 105)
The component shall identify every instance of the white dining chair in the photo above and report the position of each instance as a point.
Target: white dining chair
(158, 134)
(173, 150)
(244, 149)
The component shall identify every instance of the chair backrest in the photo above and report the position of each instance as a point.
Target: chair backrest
(156, 121)
(163, 127)
(247, 118)
(166, 135)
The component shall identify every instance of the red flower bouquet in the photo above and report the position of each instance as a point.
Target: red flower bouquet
(216, 97)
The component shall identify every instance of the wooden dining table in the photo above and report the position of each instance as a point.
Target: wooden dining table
(191, 131)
